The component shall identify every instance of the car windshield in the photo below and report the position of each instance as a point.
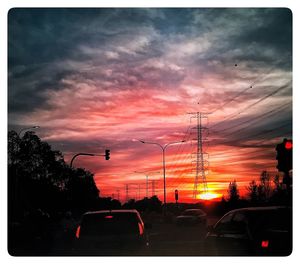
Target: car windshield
(193, 212)
(270, 220)
(109, 224)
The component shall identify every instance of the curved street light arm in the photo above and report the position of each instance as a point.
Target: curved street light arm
(172, 143)
(80, 154)
(153, 143)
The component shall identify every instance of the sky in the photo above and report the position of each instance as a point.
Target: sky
(96, 79)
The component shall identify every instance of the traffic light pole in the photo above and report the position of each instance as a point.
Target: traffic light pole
(83, 154)
(285, 160)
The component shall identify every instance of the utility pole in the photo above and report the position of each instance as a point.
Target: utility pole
(118, 194)
(201, 161)
(153, 187)
(127, 190)
(139, 187)
(146, 185)
(147, 173)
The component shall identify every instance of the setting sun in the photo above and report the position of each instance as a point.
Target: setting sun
(209, 196)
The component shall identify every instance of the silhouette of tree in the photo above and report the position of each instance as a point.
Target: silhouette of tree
(253, 191)
(130, 204)
(146, 204)
(277, 183)
(41, 178)
(264, 189)
(81, 189)
(233, 192)
(41, 187)
(280, 195)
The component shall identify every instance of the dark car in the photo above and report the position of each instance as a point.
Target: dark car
(191, 217)
(252, 231)
(115, 232)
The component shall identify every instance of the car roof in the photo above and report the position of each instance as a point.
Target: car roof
(262, 208)
(112, 211)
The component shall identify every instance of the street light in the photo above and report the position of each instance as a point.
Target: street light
(163, 148)
(27, 128)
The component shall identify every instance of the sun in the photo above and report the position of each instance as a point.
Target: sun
(208, 196)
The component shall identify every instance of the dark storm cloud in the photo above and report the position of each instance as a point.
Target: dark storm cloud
(259, 37)
(46, 44)
(42, 40)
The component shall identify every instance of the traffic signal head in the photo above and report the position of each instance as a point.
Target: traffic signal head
(107, 154)
(288, 144)
(176, 195)
(285, 156)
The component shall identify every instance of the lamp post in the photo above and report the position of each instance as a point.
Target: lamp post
(163, 148)
(27, 128)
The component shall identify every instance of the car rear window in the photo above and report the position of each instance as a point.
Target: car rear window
(270, 220)
(109, 224)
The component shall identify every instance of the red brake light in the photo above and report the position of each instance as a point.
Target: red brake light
(141, 229)
(78, 232)
(264, 243)
(108, 216)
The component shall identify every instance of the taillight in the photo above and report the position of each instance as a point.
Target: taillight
(78, 232)
(264, 243)
(141, 229)
(108, 216)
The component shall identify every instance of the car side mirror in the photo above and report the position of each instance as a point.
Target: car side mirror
(148, 226)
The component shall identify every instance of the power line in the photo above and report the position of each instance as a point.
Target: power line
(258, 134)
(260, 78)
(253, 104)
(254, 120)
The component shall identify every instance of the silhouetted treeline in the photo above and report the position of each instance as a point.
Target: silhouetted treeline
(43, 192)
(146, 204)
(39, 178)
(267, 191)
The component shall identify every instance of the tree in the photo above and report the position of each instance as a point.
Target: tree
(277, 183)
(38, 177)
(253, 191)
(233, 192)
(81, 189)
(265, 186)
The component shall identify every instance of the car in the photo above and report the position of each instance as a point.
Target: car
(111, 232)
(191, 217)
(252, 231)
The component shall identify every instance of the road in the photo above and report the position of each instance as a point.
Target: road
(169, 239)
(165, 239)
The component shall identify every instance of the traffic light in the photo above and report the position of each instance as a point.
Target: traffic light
(107, 154)
(176, 195)
(285, 156)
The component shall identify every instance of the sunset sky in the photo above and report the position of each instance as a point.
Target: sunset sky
(105, 78)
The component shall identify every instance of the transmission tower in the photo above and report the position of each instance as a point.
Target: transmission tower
(201, 157)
